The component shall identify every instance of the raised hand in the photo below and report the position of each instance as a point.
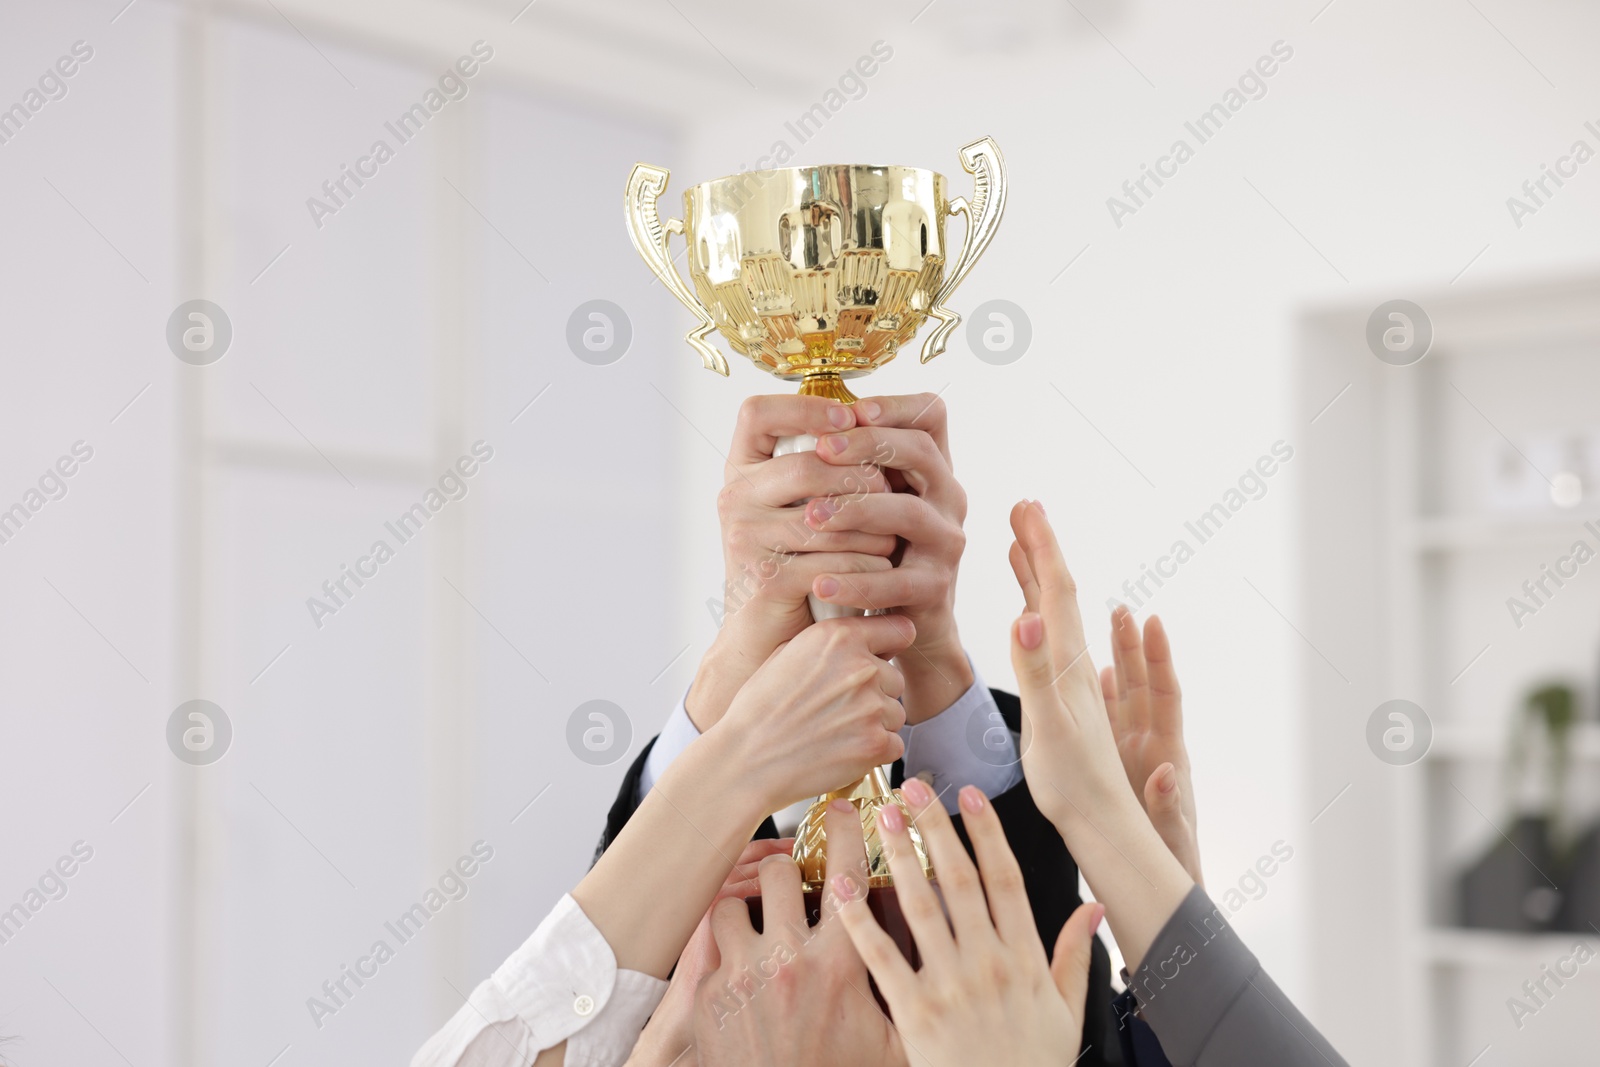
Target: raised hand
(907, 438)
(770, 555)
(1146, 710)
(1069, 753)
(985, 993)
(792, 995)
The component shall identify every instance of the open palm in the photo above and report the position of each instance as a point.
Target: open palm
(1145, 706)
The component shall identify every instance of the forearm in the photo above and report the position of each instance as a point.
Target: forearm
(649, 890)
(1131, 871)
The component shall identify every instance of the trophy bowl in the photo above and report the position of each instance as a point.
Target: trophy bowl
(819, 274)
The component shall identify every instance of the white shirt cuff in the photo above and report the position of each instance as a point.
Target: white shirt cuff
(562, 984)
(967, 743)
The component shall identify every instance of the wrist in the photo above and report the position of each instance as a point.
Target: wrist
(936, 674)
(717, 680)
(716, 774)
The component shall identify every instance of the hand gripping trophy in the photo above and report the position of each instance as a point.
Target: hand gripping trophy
(820, 274)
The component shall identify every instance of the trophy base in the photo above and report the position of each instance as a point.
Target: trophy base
(884, 903)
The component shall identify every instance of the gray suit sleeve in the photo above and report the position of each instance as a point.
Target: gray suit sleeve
(1210, 1003)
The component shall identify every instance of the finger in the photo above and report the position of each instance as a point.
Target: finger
(1163, 802)
(761, 847)
(904, 586)
(789, 577)
(730, 925)
(765, 418)
(1058, 593)
(1108, 693)
(1132, 680)
(789, 479)
(958, 878)
(844, 858)
(918, 902)
(782, 904)
(1025, 579)
(1030, 661)
(887, 514)
(788, 530)
(888, 967)
(924, 468)
(922, 411)
(892, 682)
(1069, 966)
(882, 635)
(1168, 711)
(1002, 875)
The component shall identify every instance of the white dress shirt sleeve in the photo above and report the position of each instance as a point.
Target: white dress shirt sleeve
(967, 743)
(563, 984)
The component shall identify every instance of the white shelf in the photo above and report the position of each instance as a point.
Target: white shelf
(1488, 949)
(1444, 533)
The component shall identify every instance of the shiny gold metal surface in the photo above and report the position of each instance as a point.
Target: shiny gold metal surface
(870, 795)
(819, 271)
(816, 275)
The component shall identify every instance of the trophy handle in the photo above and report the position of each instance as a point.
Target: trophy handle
(982, 159)
(645, 186)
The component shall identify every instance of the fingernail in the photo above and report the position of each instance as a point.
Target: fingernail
(1168, 781)
(890, 818)
(1030, 630)
(870, 409)
(1040, 505)
(836, 442)
(823, 508)
(843, 888)
(840, 416)
(1099, 915)
(841, 805)
(827, 587)
(916, 791)
(1121, 612)
(972, 799)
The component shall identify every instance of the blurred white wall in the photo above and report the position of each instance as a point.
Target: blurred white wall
(370, 353)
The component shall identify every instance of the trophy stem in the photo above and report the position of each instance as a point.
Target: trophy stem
(827, 383)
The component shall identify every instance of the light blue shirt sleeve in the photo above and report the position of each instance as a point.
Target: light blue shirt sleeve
(967, 743)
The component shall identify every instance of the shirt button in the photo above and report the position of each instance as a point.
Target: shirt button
(584, 1005)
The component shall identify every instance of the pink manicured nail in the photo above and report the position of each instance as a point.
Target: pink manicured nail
(841, 417)
(972, 798)
(836, 442)
(827, 587)
(917, 791)
(842, 806)
(1040, 505)
(890, 818)
(1030, 630)
(1168, 781)
(870, 409)
(822, 509)
(843, 888)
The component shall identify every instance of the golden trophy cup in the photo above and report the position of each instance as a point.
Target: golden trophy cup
(819, 275)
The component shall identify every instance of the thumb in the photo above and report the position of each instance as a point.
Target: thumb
(1069, 968)
(1163, 801)
(1161, 794)
(1030, 654)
